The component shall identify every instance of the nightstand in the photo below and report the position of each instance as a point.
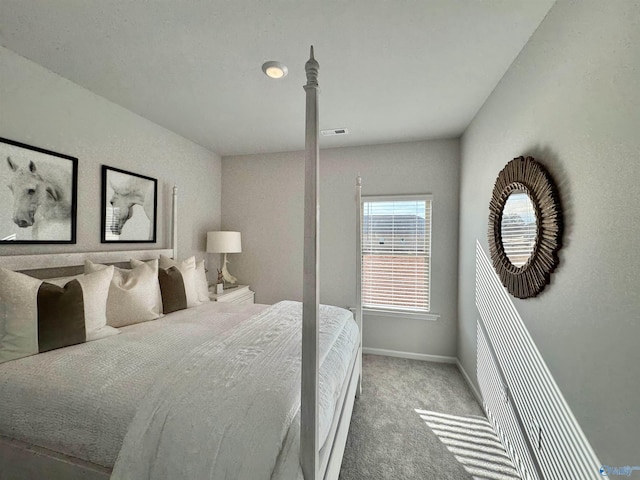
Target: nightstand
(240, 294)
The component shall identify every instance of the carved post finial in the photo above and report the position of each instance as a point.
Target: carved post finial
(312, 67)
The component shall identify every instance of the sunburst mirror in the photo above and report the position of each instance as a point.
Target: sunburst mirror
(525, 227)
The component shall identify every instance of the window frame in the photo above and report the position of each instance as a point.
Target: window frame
(402, 312)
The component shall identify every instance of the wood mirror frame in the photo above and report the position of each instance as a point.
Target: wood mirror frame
(528, 175)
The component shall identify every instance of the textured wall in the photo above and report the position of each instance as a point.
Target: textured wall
(40, 108)
(571, 100)
(262, 196)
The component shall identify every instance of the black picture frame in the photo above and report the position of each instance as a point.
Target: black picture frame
(127, 201)
(40, 205)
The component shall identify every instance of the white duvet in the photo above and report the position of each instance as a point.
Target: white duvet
(189, 396)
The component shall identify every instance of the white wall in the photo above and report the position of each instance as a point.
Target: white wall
(40, 108)
(571, 100)
(262, 196)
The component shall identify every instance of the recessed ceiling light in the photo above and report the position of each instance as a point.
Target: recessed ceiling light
(275, 69)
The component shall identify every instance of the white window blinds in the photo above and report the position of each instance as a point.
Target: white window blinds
(396, 252)
(518, 228)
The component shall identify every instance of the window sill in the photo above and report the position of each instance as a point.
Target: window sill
(432, 317)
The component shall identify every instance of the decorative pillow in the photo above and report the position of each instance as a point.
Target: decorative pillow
(188, 270)
(37, 316)
(178, 286)
(174, 294)
(134, 295)
(202, 286)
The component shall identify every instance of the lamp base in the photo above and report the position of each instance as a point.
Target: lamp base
(229, 286)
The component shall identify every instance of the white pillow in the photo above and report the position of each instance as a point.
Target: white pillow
(202, 286)
(188, 270)
(38, 316)
(134, 295)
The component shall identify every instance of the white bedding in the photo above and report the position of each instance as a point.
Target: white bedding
(193, 382)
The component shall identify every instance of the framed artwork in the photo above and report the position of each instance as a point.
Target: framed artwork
(129, 207)
(39, 205)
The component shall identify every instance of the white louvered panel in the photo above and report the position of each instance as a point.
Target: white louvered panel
(499, 410)
(565, 452)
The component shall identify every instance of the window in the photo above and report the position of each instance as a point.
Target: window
(396, 253)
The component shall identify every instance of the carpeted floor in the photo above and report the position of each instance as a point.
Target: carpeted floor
(474, 443)
(390, 438)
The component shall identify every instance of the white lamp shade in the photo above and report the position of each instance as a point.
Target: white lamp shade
(224, 242)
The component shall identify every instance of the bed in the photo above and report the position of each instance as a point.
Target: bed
(212, 391)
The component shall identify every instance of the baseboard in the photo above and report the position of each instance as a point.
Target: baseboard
(473, 388)
(410, 355)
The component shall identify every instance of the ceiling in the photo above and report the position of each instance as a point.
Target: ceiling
(390, 71)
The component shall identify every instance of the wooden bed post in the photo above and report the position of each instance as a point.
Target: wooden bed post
(359, 272)
(174, 222)
(310, 294)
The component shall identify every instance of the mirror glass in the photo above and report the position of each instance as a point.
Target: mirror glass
(518, 227)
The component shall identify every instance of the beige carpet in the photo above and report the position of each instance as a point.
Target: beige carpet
(419, 420)
(474, 444)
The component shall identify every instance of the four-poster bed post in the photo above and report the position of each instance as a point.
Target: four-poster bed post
(310, 290)
(174, 222)
(313, 466)
(358, 312)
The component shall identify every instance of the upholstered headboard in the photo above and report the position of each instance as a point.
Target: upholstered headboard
(61, 264)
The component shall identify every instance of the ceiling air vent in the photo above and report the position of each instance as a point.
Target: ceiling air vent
(334, 131)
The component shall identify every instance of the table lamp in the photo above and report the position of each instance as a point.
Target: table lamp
(225, 242)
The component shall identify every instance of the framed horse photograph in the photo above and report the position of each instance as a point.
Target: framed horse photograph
(129, 207)
(40, 202)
